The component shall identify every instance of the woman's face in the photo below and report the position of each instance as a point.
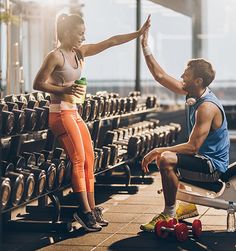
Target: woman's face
(76, 37)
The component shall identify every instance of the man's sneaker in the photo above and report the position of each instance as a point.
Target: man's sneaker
(99, 216)
(186, 210)
(150, 226)
(88, 221)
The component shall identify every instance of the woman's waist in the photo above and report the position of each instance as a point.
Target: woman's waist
(57, 105)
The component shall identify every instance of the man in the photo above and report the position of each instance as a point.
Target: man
(206, 154)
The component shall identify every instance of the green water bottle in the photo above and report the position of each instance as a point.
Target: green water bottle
(83, 83)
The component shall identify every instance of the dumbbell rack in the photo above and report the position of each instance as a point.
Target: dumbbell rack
(15, 142)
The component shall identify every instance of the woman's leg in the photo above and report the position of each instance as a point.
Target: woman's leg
(89, 161)
(89, 172)
(64, 126)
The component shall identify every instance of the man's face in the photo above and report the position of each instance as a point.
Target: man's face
(188, 80)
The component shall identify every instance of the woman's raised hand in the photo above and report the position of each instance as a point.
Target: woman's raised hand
(145, 26)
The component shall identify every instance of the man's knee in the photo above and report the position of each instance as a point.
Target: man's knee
(167, 161)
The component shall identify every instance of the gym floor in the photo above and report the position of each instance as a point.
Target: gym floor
(125, 213)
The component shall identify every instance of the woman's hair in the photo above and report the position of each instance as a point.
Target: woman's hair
(67, 22)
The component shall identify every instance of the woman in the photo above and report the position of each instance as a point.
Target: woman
(60, 69)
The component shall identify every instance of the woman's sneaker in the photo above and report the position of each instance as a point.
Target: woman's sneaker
(88, 221)
(99, 216)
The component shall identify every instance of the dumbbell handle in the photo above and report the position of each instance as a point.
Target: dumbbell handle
(167, 229)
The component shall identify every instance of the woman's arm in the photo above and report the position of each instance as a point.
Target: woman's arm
(93, 49)
(52, 60)
(157, 72)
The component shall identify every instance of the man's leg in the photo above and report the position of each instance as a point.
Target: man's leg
(170, 181)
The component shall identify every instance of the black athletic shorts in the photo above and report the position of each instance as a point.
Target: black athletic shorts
(196, 168)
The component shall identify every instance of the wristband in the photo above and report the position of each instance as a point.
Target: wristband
(147, 51)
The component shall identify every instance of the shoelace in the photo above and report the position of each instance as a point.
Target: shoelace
(91, 218)
(154, 219)
(98, 213)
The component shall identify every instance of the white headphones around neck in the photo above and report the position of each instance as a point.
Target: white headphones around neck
(192, 101)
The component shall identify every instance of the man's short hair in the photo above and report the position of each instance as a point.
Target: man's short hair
(202, 69)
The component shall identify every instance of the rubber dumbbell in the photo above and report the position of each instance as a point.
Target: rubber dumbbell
(31, 119)
(39, 96)
(68, 169)
(164, 228)
(30, 161)
(100, 106)
(196, 228)
(133, 144)
(60, 171)
(29, 183)
(5, 187)
(16, 181)
(117, 154)
(39, 158)
(29, 178)
(19, 117)
(40, 174)
(86, 110)
(31, 101)
(134, 94)
(7, 119)
(123, 102)
(99, 160)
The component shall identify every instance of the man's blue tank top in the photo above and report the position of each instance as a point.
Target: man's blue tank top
(216, 145)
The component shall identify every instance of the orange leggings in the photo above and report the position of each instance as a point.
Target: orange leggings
(74, 137)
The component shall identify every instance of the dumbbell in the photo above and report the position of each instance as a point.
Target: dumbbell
(5, 187)
(19, 117)
(41, 118)
(164, 228)
(29, 179)
(47, 96)
(16, 181)
(123, 102)
(29, 166)
(58, 158)
(80, 109)
(31, 101)
(86, 110)
(7, 119)
(107, 106)
(39, 96)
(99, 160)
(106, 157)
(129, 104)
(95, 163)
(100, 106)
(60, 171)
(196, 228)
(134, 94)
(177, 129)
(14, 99)
(48, 167)
(117, 154)
(31, 119)
(68, 169)
(151, 101)
(94, 109)
(22, 98)
(133, 144)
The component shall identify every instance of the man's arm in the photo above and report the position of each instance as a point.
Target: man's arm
(157, 72)
(204, 118)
